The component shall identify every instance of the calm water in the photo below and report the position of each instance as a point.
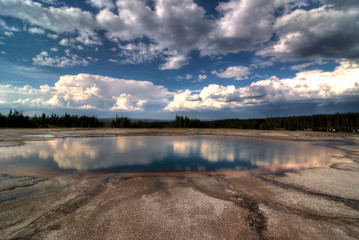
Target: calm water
(165, 153)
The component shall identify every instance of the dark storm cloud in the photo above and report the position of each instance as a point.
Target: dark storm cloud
(330, 31)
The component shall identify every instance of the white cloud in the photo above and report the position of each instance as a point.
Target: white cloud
(92, 59)
(139, 53)
(88, 40)
(36, 30)
(316, 86)
(101, 3)
(128, 103)
(236, 72)
(188, 76)
(129, 24)
(84, 91)
(72, 43)
(302, 66)
(113, 60)
(57, 19)
(54, 49)
(201, 77)
(262, 63)
(9, 34)
(175, 62)
(70, 60)
(53, 36)
(66, 42)
(13, 96)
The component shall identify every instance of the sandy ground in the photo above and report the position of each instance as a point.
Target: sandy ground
(316, 203)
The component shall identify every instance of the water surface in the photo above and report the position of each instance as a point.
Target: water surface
(165, 153)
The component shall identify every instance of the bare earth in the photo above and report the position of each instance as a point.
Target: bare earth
(315, 203)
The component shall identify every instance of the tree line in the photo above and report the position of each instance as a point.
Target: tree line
(341, 122)
(16, 119)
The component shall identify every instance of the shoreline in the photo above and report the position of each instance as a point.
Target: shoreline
(317, 202)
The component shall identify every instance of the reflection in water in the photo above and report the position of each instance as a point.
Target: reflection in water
(165, 153)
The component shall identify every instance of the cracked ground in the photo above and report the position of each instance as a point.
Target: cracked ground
(315, 203)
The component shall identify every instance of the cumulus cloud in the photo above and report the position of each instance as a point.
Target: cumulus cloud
(131, 22)
(127, 102)
(70, 60)
(330, 32)
(315, 86)
(84, 91)
(13, 96)
(236, 72)
(66, 42)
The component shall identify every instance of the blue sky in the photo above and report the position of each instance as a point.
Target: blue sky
(158, 58)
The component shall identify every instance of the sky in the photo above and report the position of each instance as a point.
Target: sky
(153, 59)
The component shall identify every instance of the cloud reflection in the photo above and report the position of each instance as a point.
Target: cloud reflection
(166, 153)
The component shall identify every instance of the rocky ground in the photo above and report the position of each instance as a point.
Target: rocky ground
(316, 203)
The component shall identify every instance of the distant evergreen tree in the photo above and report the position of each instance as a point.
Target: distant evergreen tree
(16, 119)
(121, 122)
(3, 120)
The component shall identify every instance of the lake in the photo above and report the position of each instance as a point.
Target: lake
(165, 154)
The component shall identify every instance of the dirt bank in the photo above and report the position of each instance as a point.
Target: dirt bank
(317, 203)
